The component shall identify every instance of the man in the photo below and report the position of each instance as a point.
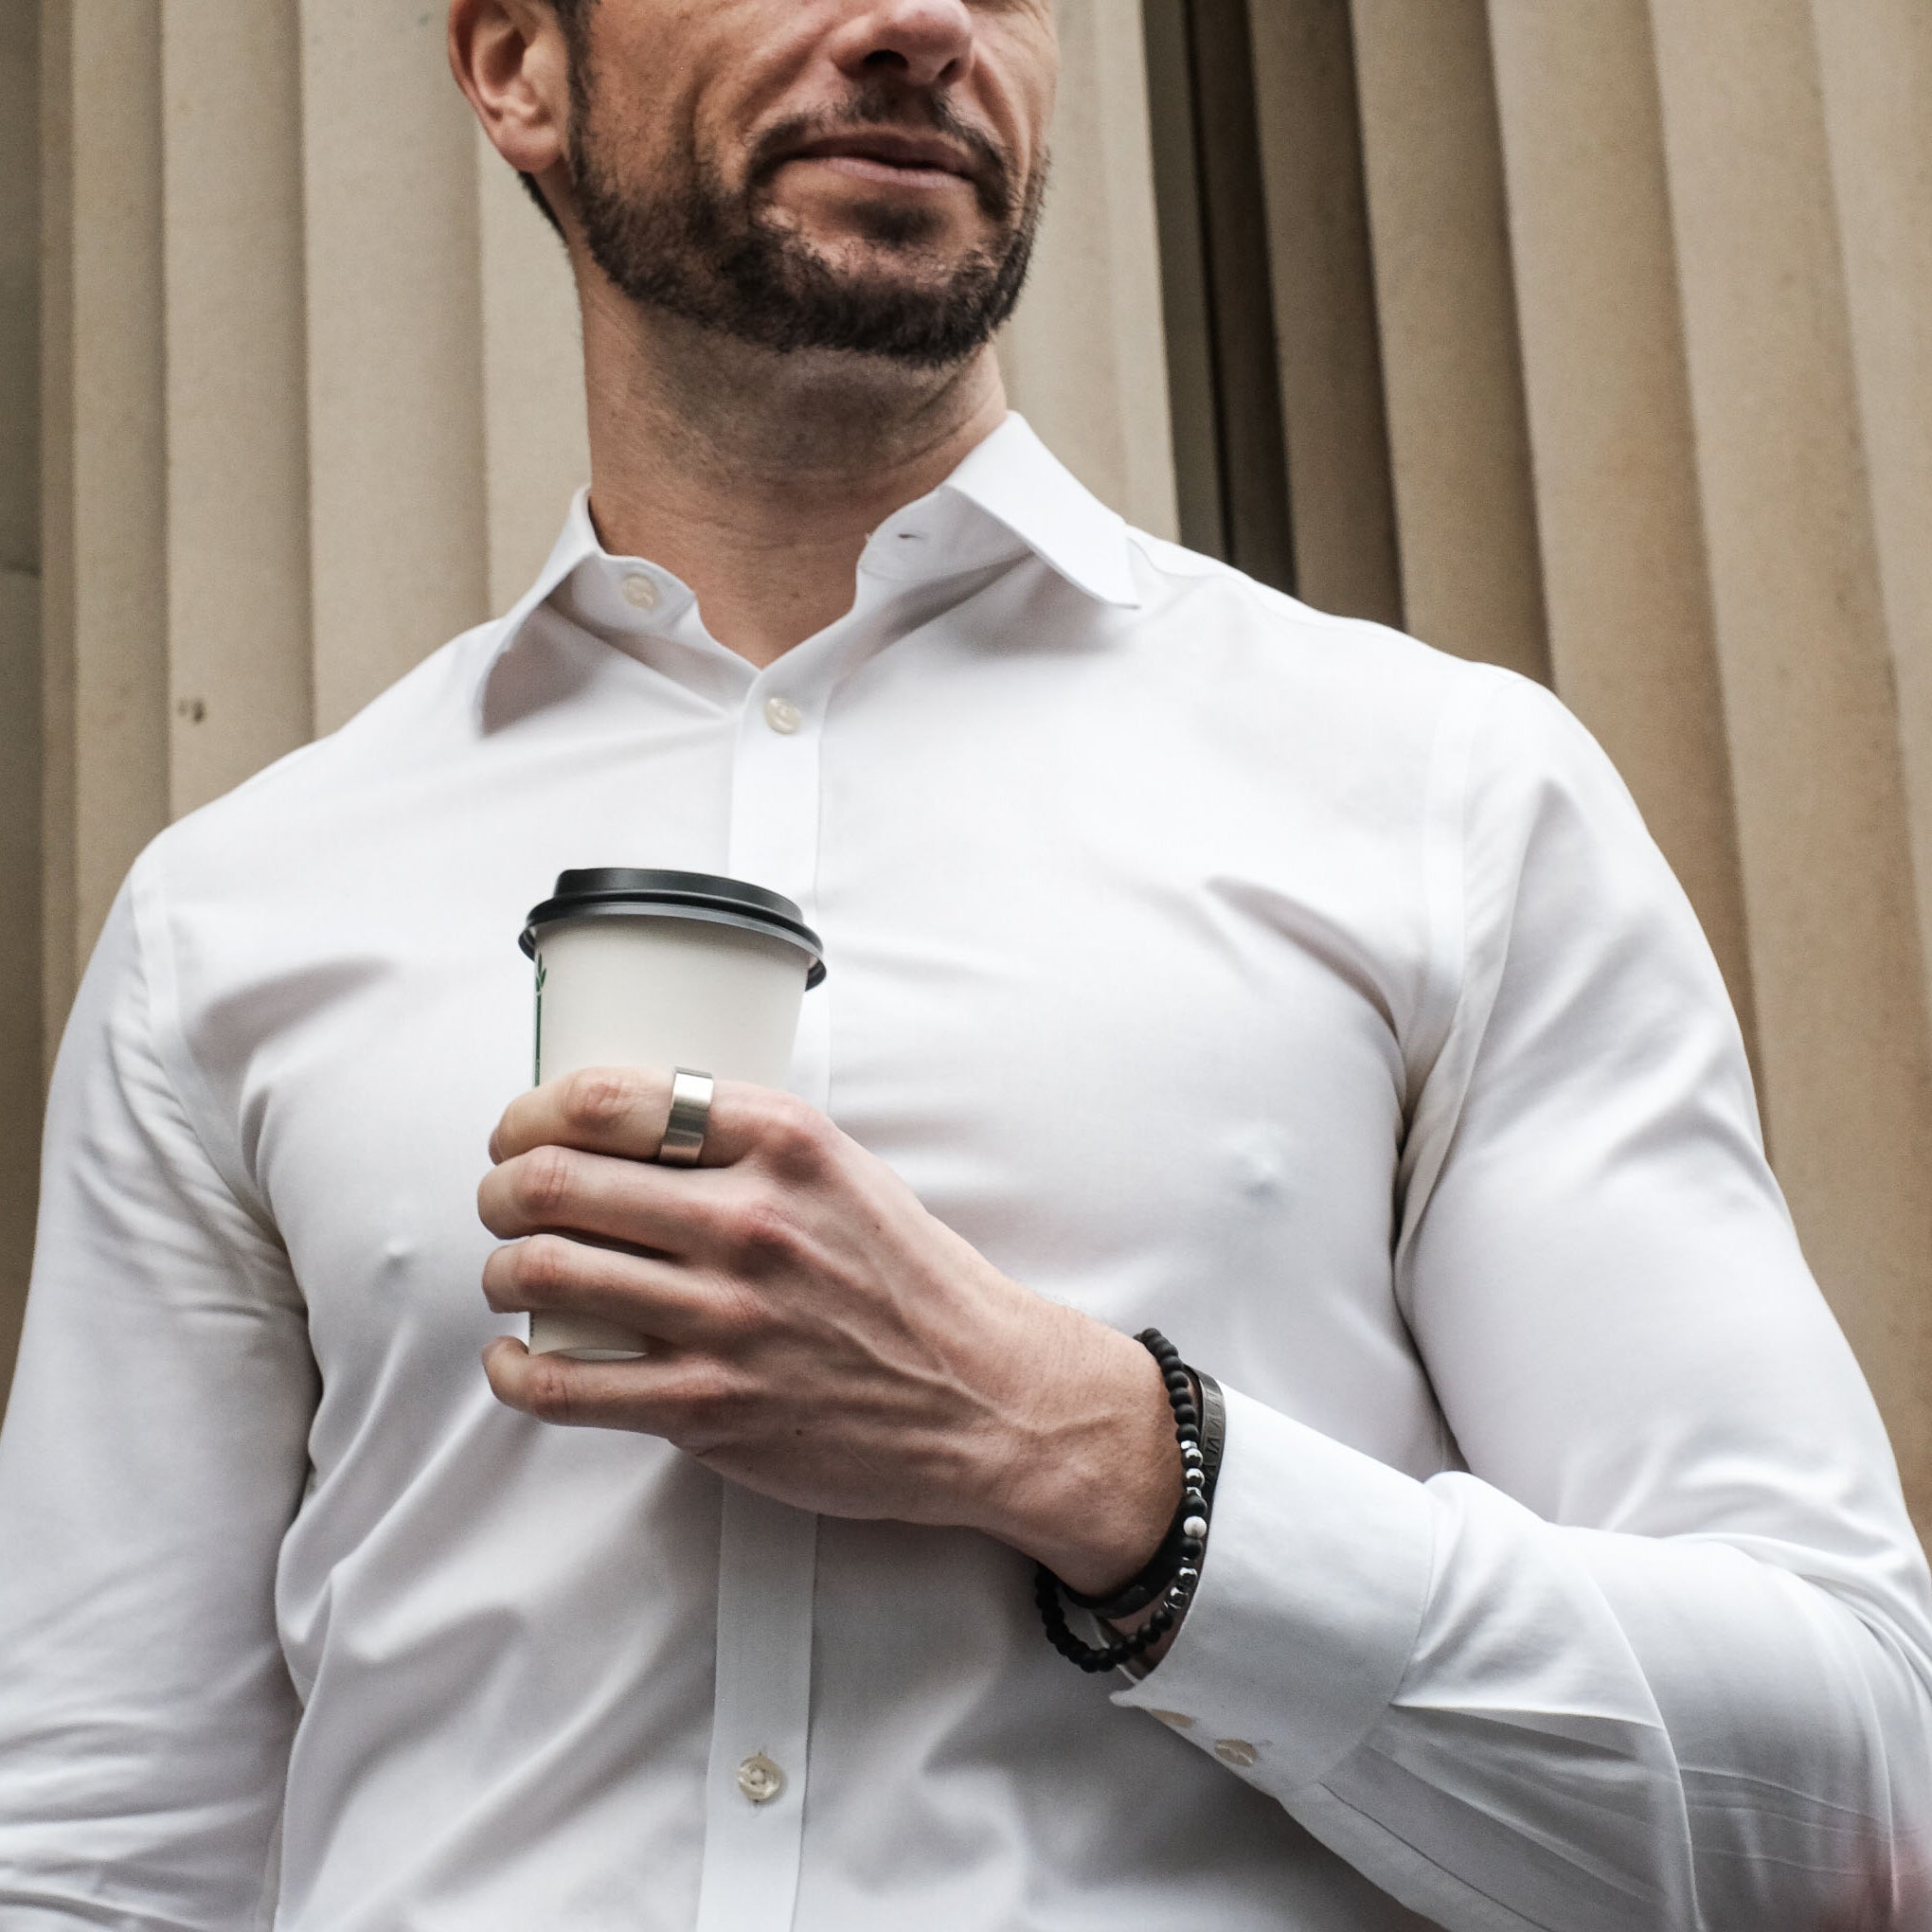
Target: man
(1195, 961)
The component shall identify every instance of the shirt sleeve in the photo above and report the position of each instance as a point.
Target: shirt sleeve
(1661, 1655)
(154, 1454)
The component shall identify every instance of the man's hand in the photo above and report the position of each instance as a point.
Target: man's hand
(814, 1333)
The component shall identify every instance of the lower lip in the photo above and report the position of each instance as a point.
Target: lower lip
(886, 173)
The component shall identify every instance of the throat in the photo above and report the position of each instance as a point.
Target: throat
(759, 486)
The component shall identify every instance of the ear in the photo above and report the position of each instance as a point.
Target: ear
(509, 59)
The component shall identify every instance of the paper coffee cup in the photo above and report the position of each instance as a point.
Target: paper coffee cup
(662, 970)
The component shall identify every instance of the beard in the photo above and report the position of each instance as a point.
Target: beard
(723, 259)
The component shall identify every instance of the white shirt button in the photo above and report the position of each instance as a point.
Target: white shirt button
(760, 1779)
(782, 715)
(640, 593)
(1236, 1751)
(1174, 1720)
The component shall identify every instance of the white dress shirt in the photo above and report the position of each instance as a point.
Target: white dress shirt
(1206, 963)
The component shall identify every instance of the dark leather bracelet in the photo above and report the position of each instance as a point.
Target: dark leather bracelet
(1157, 1574)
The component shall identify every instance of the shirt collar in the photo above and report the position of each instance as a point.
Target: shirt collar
(1014, 478)
(1010, 478)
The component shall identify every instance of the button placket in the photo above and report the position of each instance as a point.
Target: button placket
(755, 1791)
(767, 1560)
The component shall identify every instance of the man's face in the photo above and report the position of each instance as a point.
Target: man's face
(859, 176)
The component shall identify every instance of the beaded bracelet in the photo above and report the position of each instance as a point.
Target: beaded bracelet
(1174, 1569)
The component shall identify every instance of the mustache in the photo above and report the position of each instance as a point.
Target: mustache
(893, 107)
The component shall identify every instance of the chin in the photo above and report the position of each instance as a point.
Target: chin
(885, 268)
(886, 225)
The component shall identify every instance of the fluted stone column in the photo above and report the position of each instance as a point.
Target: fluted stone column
(1631, 628)
(1438, 222)
(1809, 657)
(20, 633)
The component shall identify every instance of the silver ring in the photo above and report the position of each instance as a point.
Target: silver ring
(690, 1116)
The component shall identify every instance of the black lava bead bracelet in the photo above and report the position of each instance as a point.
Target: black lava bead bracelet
(1169, 1576)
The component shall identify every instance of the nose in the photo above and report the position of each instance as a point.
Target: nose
(925, 42)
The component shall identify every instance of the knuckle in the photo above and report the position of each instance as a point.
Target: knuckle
(544, 1266)
(764, 1233)
(797, 1138)
(596, 1098)
(549, 1393)
(544, 1183)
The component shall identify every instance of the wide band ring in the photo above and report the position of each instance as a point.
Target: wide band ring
(690, 1117)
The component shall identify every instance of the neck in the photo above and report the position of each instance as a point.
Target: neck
(756, 477)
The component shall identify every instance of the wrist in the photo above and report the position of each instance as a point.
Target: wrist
(1159, 1594)
(1091, 1481)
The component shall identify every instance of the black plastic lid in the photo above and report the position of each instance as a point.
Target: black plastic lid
(609, 890)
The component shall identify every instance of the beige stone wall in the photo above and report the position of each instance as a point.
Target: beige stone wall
(1652, 288)
(1605, 338)
(19, 648)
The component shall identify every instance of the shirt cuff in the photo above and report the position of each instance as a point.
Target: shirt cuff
(1311, 1598)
